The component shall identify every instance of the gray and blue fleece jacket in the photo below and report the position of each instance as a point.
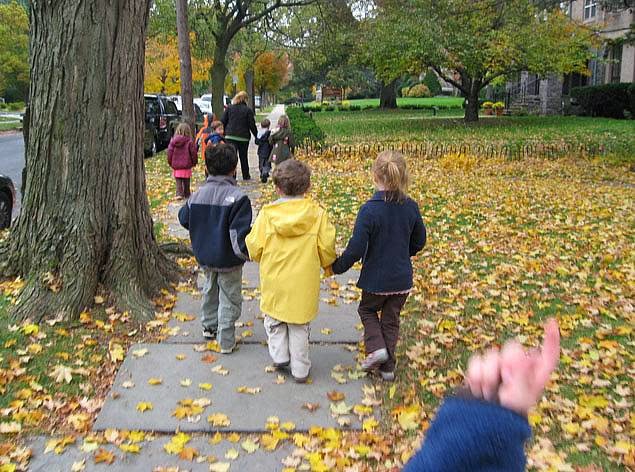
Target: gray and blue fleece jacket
(218, 217)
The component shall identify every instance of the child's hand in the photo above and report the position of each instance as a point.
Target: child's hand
(513, 375)
(328, 271)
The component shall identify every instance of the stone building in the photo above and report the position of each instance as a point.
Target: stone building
(614, 62)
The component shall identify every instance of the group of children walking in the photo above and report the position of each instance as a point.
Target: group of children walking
(293, 240)
(183, 148)
(483, 426)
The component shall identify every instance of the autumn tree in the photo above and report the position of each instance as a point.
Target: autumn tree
(224, 19)
(185, 62)
(85, 220)
(14, 51)
(270, 72)
(162, 70)
(472, 43)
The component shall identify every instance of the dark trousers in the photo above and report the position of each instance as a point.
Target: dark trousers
(182, 187)
(264, 166)
(242, 148)
(381, 332)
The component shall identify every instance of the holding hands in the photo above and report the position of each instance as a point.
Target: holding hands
(512, 375)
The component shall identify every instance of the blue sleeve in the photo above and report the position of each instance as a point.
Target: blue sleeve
(357, 245)
(473, 435)
(418, 235)
(184, 216)
(239, 227)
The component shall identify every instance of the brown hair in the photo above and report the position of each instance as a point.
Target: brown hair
(283, 122)
(391, 172)
(183, 130)
(292, 177)
(265, 123)
(216, 125)
(240, 97)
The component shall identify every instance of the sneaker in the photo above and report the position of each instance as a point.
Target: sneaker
(300, 380)
(209, 333)
(263, 179)
(281, 365)
(229, 350)
(374, 359)
(387, 376)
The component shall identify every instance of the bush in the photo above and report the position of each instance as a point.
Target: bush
(419, 91)
(304, 128)
(498, 105)
(16, 106)
(404, 91)
(610, 100)
(432, 82)
(487, 105)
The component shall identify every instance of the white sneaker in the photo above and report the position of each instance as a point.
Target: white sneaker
(228, 351)
(375, 359)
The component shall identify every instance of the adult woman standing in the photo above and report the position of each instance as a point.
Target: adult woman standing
(239, 122)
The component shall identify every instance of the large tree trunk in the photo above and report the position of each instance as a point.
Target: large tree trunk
(219, 73)
(85, 219)
(471, 100)
(251, 89)
(185, 61)
(388, 95)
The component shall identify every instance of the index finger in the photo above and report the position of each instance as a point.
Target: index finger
(550, 352)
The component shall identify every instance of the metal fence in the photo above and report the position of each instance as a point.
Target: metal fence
(431, 150)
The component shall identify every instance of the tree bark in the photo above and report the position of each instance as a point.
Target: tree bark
(85, 219)
(471, 102)
(185, 62)
(251, 90)
(388, 95)
(219, 73)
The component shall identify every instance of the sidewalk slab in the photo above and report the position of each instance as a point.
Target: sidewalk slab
(153, 455)
(279, 396)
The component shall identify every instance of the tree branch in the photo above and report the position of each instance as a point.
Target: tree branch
(449, 80)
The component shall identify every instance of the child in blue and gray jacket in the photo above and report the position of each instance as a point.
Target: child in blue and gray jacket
(218, 217)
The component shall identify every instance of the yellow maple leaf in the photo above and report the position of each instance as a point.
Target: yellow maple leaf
(131, 448)
(155, 381)
(218, 419)
(144, 406)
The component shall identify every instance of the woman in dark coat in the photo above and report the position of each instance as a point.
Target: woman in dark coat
(240, 123)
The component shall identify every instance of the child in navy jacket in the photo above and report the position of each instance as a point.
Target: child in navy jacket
(218, 217)
(389, 230)
(484, 427)
(264, 150)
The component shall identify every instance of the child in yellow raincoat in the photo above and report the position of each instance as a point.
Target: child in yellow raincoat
(291, 239)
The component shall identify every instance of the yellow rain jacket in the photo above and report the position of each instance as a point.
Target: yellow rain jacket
(291, 239)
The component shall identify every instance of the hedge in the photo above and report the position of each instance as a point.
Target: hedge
(610, 100)
(305, 130)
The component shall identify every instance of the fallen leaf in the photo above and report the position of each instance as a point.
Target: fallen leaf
(144, 406)
(103, 455)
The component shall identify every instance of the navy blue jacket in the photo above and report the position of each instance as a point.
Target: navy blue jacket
(264, 147)
(215, 139)
(218, 217)
(385, 236)
(475, 436)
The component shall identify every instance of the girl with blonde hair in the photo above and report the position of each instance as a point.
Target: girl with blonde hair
(182, 156)
(389, 231)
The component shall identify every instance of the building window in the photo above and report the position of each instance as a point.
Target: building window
(590, 9)
(616, 63)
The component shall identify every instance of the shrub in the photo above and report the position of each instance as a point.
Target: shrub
(487, 105)
(498, 106)
(419, 91)
(610, 100)
(404, 91)
(305, 130)
(432, 82)
(16, 106)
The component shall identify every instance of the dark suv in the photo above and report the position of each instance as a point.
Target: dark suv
(161, 117)
(7, 198)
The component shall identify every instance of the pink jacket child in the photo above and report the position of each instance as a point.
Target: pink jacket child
(182, 156)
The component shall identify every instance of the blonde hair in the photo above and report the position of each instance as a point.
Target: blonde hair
(240, 97)
(283, 122)
(391, 172)
(183, 130)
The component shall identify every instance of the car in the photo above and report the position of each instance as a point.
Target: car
(177, 101)
(205, 102)
(7, 200)
(160, 116)
(206, 107)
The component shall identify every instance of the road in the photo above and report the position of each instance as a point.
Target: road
(12, 162)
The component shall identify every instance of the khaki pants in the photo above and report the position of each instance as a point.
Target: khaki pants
(222, 304)
(289, 342)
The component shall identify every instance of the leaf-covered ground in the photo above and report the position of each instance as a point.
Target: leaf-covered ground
(510, 243)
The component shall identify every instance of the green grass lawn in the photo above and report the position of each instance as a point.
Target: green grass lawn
(9, 123)
(454, 102)
(370, 126)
